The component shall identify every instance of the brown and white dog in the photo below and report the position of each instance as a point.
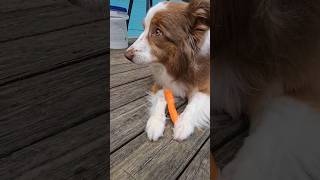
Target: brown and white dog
(176, 43)
(267, 66)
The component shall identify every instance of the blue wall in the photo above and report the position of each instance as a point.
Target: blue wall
(137, 14)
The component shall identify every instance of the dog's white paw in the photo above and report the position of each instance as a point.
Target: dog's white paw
(183, 128)
(155, 127)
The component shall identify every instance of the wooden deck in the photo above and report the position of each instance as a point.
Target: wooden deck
(133, 156)
(53, 84)
(53, 59)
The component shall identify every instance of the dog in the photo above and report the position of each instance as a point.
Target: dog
(176, 43)
(267, 66)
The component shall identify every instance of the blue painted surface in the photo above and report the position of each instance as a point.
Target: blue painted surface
(137, 14)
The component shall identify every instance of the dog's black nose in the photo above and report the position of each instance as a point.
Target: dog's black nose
(129, 54)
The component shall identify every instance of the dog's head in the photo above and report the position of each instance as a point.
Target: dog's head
(173, 33)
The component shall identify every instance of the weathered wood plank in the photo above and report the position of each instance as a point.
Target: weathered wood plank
(129, 124)
(172, 159)
(45, 119)
(226, 153)
(53, 148)
(129, 76)
(93, 5)
(39, 118)
(32, 55)
(143, 159)
(86, 162)
(57, 17)
(117, 57)
(126, 93)
(18, 5)
(120, 68)
(164, 159)
(119, 64)
(19, 95)
(223, 136)
(199, 167)
(128, 107)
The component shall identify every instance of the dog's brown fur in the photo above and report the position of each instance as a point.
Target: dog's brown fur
(184, 26)
(271, 47)
(268, 49)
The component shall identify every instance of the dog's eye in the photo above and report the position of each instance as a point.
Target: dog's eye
(157, 32)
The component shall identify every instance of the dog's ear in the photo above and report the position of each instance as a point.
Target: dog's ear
(198, 13)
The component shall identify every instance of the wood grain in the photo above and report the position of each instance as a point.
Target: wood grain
(163, 159)
(19, 95)
(119, 64)
(129, 76)
(86, 162)
(128, 125)
(127, 108)
(53, 91)
(119, 96)
(60, 16)
(19, 5)
(56, 147)
(199, 166)
(42, 110)
(42, 53)
(120, 68)
(117, 57)
(143, 159)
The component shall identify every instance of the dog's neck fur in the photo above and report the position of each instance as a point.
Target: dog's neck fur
(259, 53)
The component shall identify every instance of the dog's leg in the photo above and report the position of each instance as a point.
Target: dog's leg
(156, 123)
(196, 114)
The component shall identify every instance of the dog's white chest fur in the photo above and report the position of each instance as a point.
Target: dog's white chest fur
(162, 78)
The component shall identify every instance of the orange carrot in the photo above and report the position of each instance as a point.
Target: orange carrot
(171, 105)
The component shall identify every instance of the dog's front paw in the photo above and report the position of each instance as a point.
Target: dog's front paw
(183, 128)
(155, 127)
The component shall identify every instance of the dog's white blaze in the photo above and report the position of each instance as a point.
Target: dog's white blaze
(141, 45)
(164, 79)
(152, 11)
